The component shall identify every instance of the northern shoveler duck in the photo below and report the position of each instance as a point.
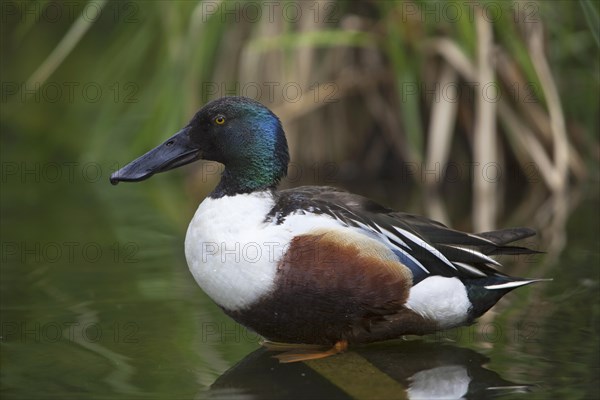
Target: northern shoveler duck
(318, 265)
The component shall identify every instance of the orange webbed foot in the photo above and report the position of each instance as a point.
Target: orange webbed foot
(304, 352)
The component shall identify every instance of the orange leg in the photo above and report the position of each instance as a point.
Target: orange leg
(304, 352)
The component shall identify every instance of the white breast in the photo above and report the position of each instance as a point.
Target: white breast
(233, 253)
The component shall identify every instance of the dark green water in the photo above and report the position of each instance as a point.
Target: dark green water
(97, 302)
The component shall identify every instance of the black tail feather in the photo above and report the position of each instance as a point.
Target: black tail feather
(505, 236)
(511, 250)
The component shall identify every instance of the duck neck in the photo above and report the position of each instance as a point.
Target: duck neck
(247, 179)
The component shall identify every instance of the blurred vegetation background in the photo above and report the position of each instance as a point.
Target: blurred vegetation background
(485, 111)
(432, 93)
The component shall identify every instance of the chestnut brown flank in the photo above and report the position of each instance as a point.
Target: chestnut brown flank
(332, 286)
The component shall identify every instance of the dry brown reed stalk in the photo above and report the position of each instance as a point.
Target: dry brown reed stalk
(485, 195)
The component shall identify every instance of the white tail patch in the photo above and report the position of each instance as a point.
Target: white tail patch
(443, 300)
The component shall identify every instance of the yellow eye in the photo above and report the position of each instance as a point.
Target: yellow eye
(220, 120)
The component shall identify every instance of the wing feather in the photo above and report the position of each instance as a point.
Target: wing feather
(426, 246)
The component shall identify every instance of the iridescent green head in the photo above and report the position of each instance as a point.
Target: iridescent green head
(238, 132)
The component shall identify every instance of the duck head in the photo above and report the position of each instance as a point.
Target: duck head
(238, 132)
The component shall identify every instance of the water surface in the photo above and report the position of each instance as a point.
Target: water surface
(97, 302)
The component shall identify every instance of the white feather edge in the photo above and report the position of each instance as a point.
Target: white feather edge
(417, 240)
(469, 268)
(509, 285)
(477, 253)
(387, 235)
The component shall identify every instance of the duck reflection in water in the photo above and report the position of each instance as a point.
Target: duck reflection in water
(413, 370)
